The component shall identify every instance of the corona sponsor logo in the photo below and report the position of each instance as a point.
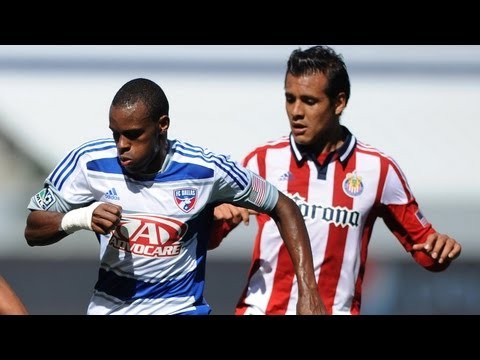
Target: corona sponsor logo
(340, 216)
(149, 235)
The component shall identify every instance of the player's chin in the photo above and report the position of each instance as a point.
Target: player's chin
(302, 140)
(131, 168)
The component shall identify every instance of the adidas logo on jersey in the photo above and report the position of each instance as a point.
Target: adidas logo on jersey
(112, 194)
(287, 176)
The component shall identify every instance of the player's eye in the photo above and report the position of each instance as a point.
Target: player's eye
(289, 98)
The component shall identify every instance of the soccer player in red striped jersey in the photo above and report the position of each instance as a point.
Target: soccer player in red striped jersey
(341, 186)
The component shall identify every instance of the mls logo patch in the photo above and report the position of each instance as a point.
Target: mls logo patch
(185, 198)
(44, 199)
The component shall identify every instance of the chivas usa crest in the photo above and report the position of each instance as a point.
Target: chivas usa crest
(353, 185)
(185, 198)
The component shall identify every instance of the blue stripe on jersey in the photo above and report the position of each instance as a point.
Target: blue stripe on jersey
(73, 153)
(132, 289)
(229, 167)
(175, 171)
(185, 171)
(224, 160)
(106, 165)
(72, 159)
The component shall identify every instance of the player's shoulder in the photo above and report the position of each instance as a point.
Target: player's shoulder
(268, 146)
(185, 147)
(278, 143)
(180, 149)
(370, 150)
(93, 148)
(98, 143)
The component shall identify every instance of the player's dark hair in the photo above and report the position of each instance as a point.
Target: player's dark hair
(321, 59)
(146, 91)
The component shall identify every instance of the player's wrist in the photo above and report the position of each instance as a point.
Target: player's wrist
(78, 219)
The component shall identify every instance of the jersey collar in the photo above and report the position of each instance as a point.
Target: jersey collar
(344, 152)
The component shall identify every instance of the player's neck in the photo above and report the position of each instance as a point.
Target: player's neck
(330, 141)
(157, 165)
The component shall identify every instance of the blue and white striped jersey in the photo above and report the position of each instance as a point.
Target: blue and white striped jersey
(154, 262)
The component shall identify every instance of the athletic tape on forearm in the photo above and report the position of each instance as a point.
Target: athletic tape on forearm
(78, 219)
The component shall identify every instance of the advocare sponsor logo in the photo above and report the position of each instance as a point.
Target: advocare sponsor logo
(149, 235)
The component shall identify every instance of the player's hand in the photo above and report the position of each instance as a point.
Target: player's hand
(440, 247)
(232, 214)
(105, 218)
(311, 304)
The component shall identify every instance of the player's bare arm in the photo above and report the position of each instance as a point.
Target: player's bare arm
(440, 247)
(10, 303)
(292, 228)
(45, 227)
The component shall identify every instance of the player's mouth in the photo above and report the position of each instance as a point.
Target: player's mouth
(125, 162)
(298, 130)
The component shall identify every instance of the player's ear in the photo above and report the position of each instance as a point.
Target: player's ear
(340, 103)
(164, 123)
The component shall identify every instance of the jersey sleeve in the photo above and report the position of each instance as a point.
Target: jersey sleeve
(402, 215)
(258, 195)
(240, 186)
(66, 187)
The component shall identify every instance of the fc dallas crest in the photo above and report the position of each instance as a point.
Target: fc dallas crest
(185, 198)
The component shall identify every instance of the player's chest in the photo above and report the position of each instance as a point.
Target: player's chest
(173, 199)
(334, 186)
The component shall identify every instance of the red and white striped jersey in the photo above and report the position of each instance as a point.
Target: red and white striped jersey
(340, 195)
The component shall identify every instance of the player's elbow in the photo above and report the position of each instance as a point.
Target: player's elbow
(36, 237)
(213, 245)
(30, 237)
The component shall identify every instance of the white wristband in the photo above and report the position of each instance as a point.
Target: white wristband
(78, 219)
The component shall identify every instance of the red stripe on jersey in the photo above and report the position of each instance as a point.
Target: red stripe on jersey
(381, 180)
(261, 219)
(412, 231)
(387, 160)
(367, 233)
(408, 228)
(249, 157)
(400, 175)
(285, 272)
(255, 265)
(337, 237)
(261, 152)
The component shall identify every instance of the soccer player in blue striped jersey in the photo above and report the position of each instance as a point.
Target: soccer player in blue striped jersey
(150, 200)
